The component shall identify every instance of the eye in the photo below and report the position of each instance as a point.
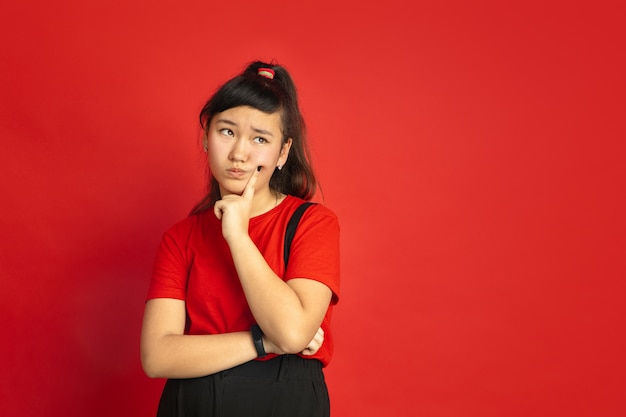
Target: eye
(260, 139)
(226, 132)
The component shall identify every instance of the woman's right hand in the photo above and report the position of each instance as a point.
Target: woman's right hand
(315, 344)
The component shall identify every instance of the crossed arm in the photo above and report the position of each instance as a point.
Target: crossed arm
(290, 313)
(289, 327)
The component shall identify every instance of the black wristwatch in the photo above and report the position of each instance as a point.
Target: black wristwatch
(257, 338)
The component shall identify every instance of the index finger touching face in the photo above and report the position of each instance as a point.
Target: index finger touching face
(248, 192)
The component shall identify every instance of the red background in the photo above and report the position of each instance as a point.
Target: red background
(473, 151)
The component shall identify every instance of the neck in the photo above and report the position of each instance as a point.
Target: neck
(264, 202)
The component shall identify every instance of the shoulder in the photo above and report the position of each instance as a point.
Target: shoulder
(315, 216)
(185, 228)
(315, 209)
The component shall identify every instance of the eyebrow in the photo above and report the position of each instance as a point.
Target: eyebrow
(255, 129)
(263, 132)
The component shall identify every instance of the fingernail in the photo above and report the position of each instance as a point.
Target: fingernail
(258, 168)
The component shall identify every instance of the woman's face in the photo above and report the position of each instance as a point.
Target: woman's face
(241, 139)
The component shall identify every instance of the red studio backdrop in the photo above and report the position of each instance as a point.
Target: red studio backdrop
(474, 152)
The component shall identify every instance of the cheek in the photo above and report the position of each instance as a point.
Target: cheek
(217, 158)
(217, 149)
(265, 155)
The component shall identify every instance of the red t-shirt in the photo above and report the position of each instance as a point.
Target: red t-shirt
(194, 264)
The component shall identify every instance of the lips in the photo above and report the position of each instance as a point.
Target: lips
(237, 173)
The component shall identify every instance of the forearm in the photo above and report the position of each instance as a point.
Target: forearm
(190, 356)
(166, 352)
(277, 308)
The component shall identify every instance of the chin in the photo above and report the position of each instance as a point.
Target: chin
(231, 190)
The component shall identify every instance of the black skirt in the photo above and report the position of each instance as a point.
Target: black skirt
(287, 385)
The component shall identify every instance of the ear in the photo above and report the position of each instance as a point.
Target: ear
(205, 142)
(284, 152)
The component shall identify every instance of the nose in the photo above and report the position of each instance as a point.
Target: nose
(239, 151)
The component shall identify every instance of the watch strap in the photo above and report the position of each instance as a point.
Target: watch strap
(257, 338)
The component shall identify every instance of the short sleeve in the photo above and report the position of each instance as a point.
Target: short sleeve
(171, 266)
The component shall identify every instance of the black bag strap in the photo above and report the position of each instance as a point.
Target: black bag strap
(291, 228)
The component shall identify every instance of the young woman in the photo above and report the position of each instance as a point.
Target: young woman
(236, 331)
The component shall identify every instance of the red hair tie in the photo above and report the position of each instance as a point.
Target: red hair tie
(266, 72)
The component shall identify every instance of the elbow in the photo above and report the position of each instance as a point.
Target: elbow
(150, 372)
(293, 342)
(150, 366)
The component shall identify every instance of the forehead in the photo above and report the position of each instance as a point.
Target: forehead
(249, 118)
